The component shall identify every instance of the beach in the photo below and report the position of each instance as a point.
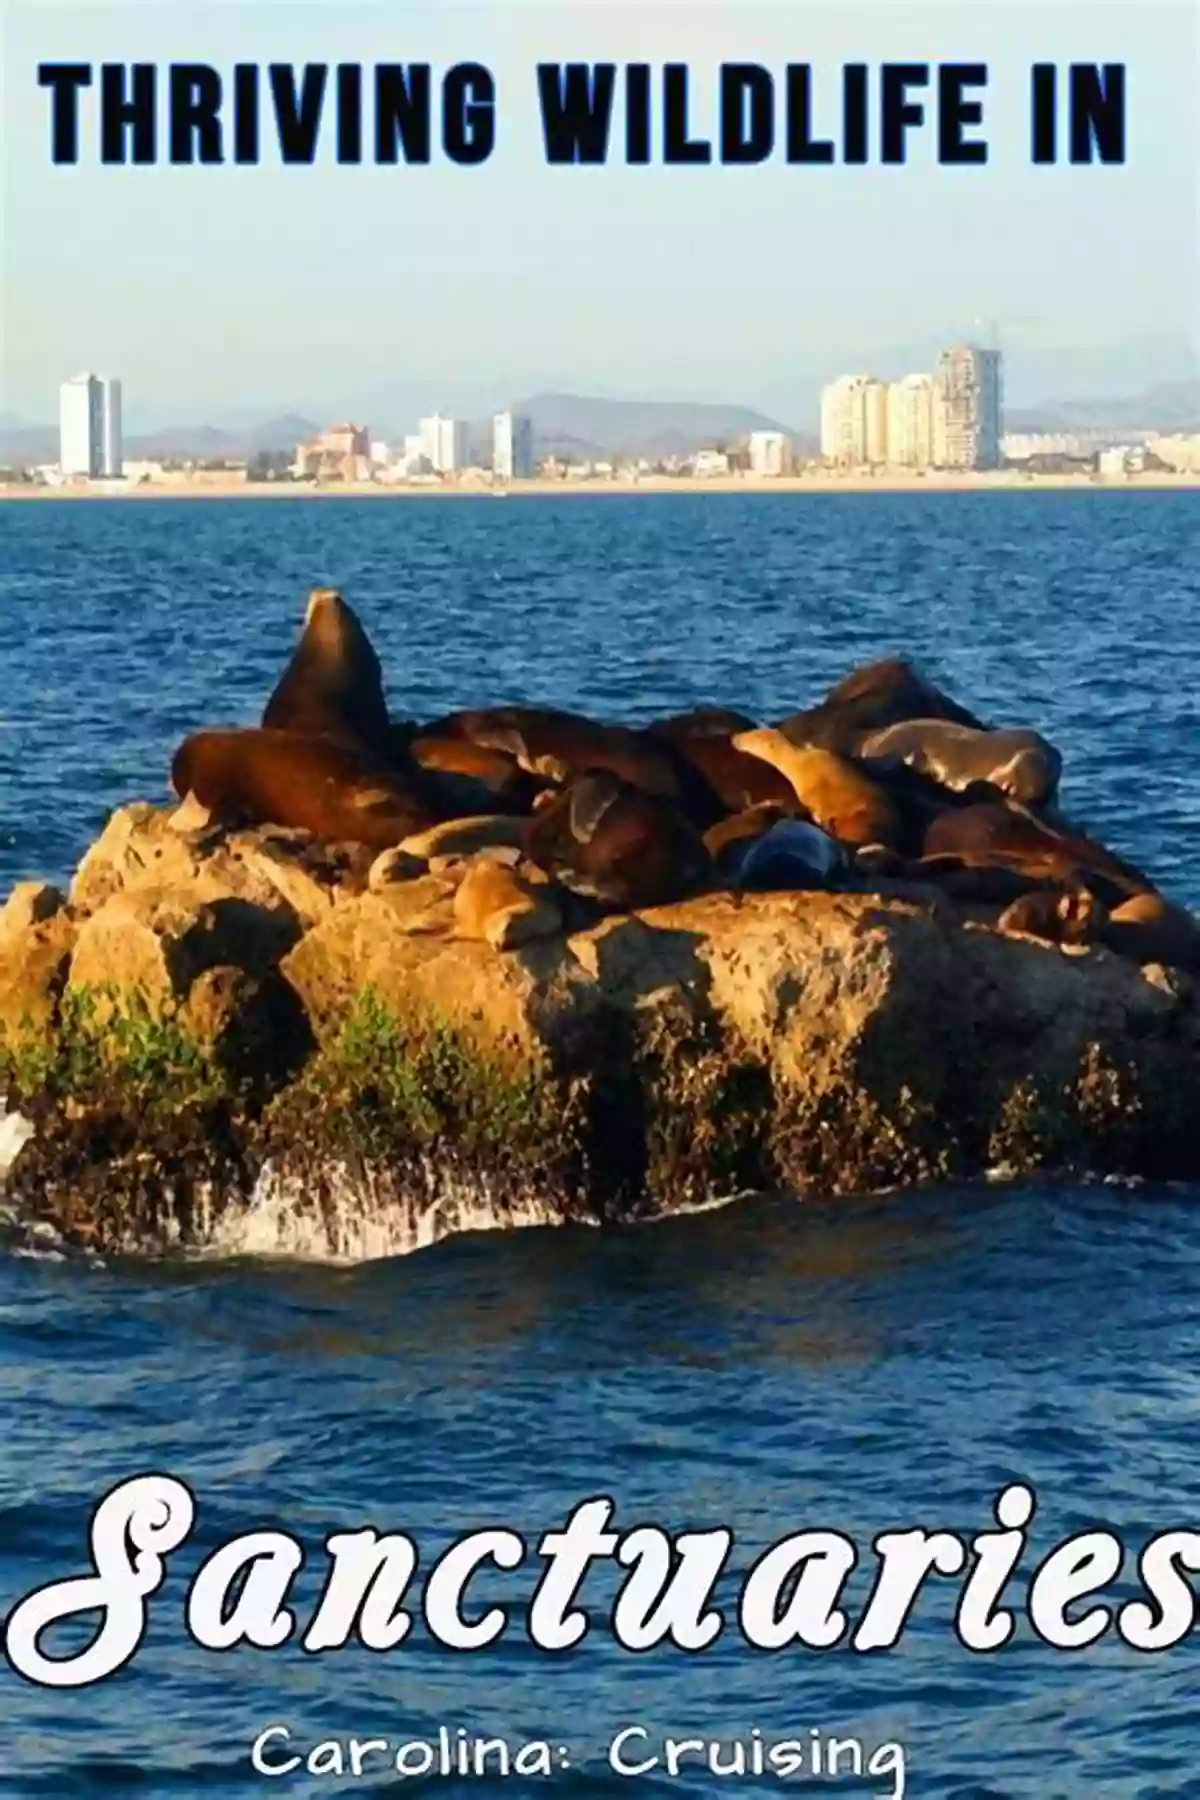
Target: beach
(232, 487)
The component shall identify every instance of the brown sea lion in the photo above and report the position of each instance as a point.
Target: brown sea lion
(878, 694)
(495, 903)
(1018, 764)
(1069, 916)
(699, 721)
(333, 685)
(514, 788)
(319, 784)
(1000, 835)
(560, 745)
(607, 840)
(736, 779)
(834, 792)
(1150, 929)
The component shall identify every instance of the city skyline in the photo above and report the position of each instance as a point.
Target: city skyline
(685, 283)
(944, 421)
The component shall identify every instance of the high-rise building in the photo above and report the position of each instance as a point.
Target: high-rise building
(770, 453)
(512, 446)
(854, 420)
(875, 422)
(910, 422)
(841, 419)
(966, 408)
(89, 421)
(444, 443)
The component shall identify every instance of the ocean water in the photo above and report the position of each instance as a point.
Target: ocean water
(774, 1367)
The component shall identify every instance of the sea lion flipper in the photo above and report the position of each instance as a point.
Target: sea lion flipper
(591, 799)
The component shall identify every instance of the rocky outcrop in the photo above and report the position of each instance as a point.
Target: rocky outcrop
(238, 1040)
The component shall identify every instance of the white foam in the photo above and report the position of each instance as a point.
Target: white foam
(15, 1133)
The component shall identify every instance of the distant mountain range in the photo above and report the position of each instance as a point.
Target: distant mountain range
(1168, 406)
(22, 445)
(578, 426)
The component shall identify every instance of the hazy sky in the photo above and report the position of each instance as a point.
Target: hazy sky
(219, 291)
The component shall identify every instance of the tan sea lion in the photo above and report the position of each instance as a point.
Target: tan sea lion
(495, 903)
(320, 784)
(463, 837)
(743, 827)
(333, 685)
(1068, 916)
(1018, 764)
(609, 841)
(836, 795)
(878, 694)
(1150, 929)
(1001, 835)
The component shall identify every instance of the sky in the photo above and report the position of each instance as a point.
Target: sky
(223, 294)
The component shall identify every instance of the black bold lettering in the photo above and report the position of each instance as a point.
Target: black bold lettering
(298, 115)
(854, 113)
(576, 102)
(802, 147)
(1045, 113)
(955, 112)
(898, 112)
(746, 137)
(64, 81)
(468, 113)
(402, 111)
(678, 147)
(120, 114)
(245, 113)
(1097, 112)
(195, 91)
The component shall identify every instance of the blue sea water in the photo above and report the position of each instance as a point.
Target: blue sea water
(774, 1367)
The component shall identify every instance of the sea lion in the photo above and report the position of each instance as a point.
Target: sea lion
(607, 840)
(493, 902)
(742, 828)
(878, 694)
(1071, 917)
(699, 721)
(1019, 764)
(1002, 835)
(560, 745)
(792, 854)
(837, 795)
(333, 685)
(1150, 929)
(463, 837)
(499, 772)
(736, 779)
(320, 784)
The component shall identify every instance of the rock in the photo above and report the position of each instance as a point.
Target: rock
(156, 943)
(251, 1026)
(30, 903)
(33, 971)
(143, 847)
(817, 1041)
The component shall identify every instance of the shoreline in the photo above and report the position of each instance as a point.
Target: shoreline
(234, 489)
